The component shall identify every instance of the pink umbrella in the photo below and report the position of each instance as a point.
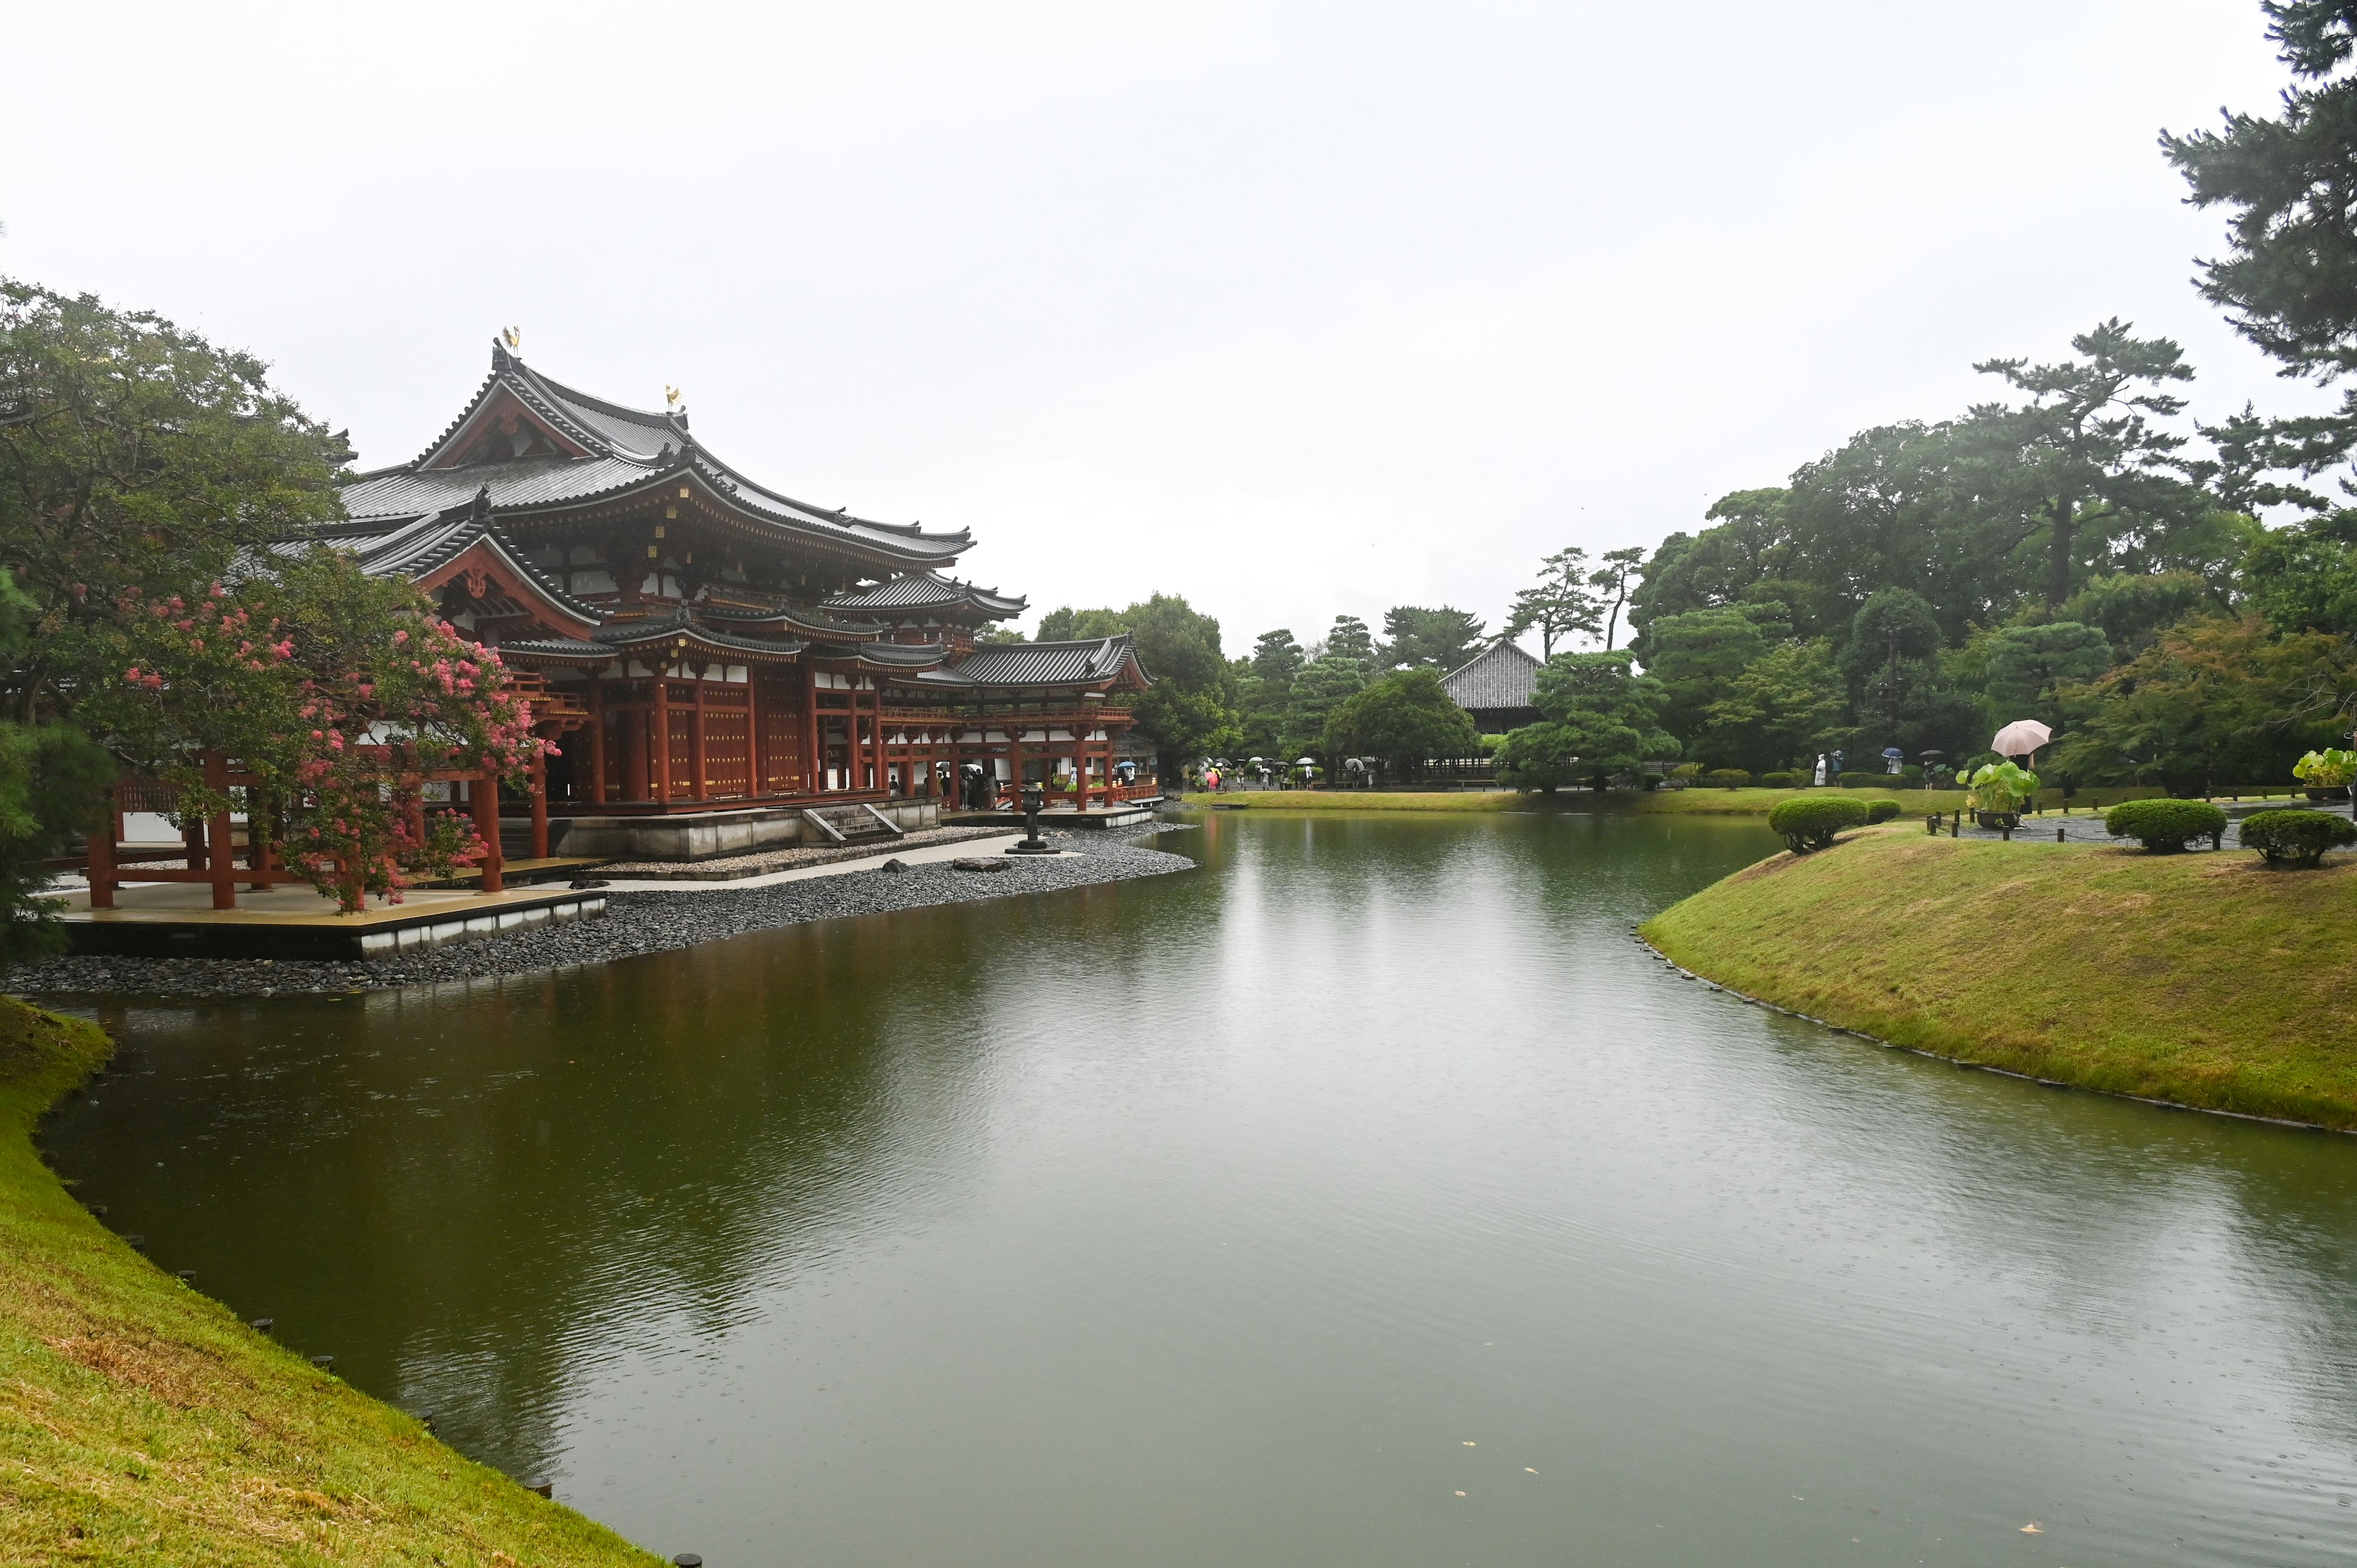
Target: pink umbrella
(2022, 738)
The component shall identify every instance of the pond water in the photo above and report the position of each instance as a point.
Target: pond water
(1364, 1197)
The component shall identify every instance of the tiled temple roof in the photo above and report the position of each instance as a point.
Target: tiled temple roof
(928, 590)
(1088, 663)
(617, 450)
(1501, 677)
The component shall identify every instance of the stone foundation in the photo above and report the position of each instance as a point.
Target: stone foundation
(701, 835)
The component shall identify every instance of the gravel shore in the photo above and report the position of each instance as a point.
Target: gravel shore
(635, 922)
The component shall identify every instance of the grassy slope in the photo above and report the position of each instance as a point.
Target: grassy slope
(2205, 979)
(141, 1423)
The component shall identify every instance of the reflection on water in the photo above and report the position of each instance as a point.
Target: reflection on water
(1364, 1198)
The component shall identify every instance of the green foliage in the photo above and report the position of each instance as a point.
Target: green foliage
(51, 775)
(1322, 687)
(2164, 826)
(2285, 281)
(132, 455)
(1191, 708)
(1696, 654)
(1561, 604)
(1726, 778)
(1880, 812)
(2296, 838)
(1350, 639)
(2211, 699)
(1405, 717)
(1276, 658)
(2132, 608)
(1786, 704)
(1419, 639)
(2304, 578)
(2027, 666)
(2002, 786)
(1600, 719)
(295, 676)
(2326, 770)
(1811, 822)
(1774, 780)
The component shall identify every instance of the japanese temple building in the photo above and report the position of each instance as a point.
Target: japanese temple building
(712, 658)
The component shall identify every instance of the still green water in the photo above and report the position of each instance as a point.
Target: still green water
(1364, 1198)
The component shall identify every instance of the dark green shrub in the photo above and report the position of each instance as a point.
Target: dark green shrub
(1880, 810)
(1878, 779)
(1772, 781)
(1811, 822)
(1726, 778)
(2164, 826)
(2296, 838)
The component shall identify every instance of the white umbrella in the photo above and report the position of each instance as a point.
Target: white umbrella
(2022, 738)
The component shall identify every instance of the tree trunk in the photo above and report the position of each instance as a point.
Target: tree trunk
(2057, 561)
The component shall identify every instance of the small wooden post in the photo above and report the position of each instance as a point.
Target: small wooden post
(596, 737)
(102, 855)
(221, 859)
(540, 807)
(484, 789)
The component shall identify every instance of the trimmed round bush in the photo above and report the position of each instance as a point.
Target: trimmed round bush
(1862, 780)
(2164, 826)
(1726, 778)
(2296, 837)
(1880, 812)
(1772, 781)
(1811, 822)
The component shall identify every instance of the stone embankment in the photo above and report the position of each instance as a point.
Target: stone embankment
(635, 923)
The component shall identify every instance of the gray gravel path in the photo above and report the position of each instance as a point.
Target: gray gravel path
(2087, 827)
(634, 923)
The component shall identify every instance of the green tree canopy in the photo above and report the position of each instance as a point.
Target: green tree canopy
(1695, 654)
(1599, 716)
(1323, 686)
(1350, 639)
(1419, 639)
(1560, 605)
(1191, 708)
(134, 455)
(2213, 700)
(1786, 705)
(2027, 667)
(2288, 280)
(1614, 581)
(1405, 717)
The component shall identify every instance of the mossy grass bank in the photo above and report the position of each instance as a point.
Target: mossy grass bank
(2207, 980)
(140, 1422)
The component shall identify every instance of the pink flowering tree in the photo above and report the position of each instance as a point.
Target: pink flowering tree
(338, 693)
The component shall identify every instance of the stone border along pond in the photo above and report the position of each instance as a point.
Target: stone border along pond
(1685, 973)
(635, 922)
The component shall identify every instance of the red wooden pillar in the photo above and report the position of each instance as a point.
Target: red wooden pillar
(101, 855)
(540, 807)
(814, 753)
(756, 778)
(483, 792)
(219, 859)
(695, 752)
(662, 736)
(596, 737)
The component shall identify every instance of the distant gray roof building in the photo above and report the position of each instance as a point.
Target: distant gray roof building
(1496, 687)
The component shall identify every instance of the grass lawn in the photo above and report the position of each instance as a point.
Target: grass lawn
(140, 1422)
(2203, 979)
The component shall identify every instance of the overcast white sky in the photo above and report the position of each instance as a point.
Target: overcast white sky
(1291, 310)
